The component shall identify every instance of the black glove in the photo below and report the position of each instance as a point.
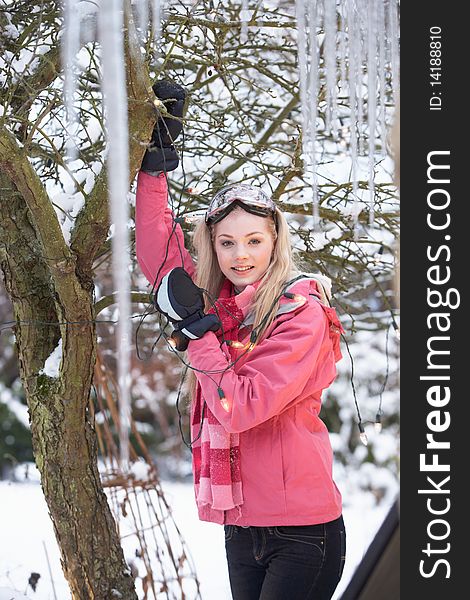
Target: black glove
(182, 302)
(161, 154)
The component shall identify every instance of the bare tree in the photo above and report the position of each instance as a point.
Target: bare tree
(50, 285)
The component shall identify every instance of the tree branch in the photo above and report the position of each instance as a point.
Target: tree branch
(267, 133)
(16, 165)
(30, 87)
(92, 223)
(138, 297)
(27, 280)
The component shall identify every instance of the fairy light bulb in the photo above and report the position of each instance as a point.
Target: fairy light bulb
(189, 219)
(378, 422)
(192, 219)
(223, 400)
(234, 344)
(158, 104)
(378, 256)
(172, 343)
(363, 435)
(253, 338)
(295, 297)
(397, 330)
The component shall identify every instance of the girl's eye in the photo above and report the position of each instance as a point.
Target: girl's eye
(253, 242)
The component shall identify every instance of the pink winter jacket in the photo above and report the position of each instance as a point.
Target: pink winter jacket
(285, 452)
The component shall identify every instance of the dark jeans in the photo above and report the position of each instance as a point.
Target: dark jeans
(285, 562)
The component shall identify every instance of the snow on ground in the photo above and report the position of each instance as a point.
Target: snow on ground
(27, 542)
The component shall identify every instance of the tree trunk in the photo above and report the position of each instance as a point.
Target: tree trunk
(50, 285)
(63, 436)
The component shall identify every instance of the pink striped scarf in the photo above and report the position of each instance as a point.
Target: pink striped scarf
(216, 454)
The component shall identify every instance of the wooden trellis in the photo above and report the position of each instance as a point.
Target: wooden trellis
(157, 554)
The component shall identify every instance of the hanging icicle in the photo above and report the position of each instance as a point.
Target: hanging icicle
(352, 84)
(360, 55)
(372, 101)
(393, 36)
(157, 9)
(244, 18)
(382, 75)
(302, 57)
(303, 72)
(113, 85)
(342, 45)
(313, 81)
(360, 33)
(69, 50)
(330, 65)
(142, 18)
(308, 71)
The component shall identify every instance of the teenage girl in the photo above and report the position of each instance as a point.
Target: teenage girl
(262, 459)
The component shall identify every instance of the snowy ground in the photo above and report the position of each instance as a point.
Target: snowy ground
(27, 542)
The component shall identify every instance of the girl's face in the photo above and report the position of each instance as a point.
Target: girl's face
(244, 245)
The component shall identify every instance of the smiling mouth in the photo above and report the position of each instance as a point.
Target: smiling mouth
(242, 269)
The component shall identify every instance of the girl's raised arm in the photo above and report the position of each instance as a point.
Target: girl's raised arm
(159, 240)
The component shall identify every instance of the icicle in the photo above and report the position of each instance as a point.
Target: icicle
(330, 65)
(303, 84)
(372, 100)
(313, 86)
(353, 75)
(360, 33)
(382, 74)
(157, 9)
(244, 18)
(342, 45)
(69, 49)
(115, 103)
(343, 75)
(359, 44)
(302, 58)
(393, 20)
(142, 11)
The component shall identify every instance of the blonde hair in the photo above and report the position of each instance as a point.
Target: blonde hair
(280, 270)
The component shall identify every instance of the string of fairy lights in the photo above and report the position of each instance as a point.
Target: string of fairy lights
(244, 348)
(307, 25)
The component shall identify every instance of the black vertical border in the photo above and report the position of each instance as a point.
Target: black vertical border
(423, 131)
